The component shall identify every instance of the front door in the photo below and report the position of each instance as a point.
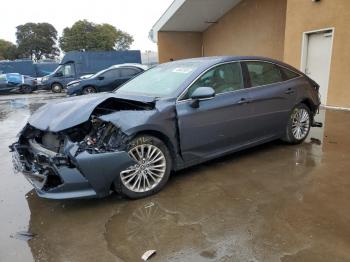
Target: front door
(219, 124)
(318, 60)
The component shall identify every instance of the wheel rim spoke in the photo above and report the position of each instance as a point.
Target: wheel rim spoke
(300, 123)
(148, 171)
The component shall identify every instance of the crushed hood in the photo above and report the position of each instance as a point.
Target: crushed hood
(69, 112)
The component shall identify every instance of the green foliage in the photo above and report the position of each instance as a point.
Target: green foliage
(8, 50)
(89, 36)
(37, 40)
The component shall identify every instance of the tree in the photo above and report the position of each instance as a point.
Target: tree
(8, 50)
(37, 40)
(90, 36)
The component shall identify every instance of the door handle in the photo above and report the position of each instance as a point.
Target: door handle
(243, 101)
(289, 91)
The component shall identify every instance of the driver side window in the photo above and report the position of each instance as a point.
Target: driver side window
(66, 70)
(223, 78)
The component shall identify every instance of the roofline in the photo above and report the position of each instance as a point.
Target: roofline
(169, 12)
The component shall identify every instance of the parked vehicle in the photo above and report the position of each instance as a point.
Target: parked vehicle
(16, 83)
(28, 67)
(170, 117)
(78, 63)
(105, 80)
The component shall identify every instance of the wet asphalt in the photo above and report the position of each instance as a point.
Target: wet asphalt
(272, 203)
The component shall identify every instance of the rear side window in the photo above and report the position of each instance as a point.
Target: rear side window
(262, 73)
(127, 72)
(288, 74)
(114, 73)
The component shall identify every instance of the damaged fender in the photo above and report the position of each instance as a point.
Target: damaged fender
(102, 169)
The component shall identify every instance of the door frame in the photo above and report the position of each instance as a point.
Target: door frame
(305, 44)
(304, 51)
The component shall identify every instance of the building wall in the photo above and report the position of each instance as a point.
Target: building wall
(179, 45)
(253, 27)
(303, 16)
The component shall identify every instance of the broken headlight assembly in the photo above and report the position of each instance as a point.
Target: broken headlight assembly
(104, 137)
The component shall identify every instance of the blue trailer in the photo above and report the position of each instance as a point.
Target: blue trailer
(28, 67)
(79, 63)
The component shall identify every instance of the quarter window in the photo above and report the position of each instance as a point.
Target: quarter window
(262, 73)
(288, 74)
(223, 78)
(127, 72)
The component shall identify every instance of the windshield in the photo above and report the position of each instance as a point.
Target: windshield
(160, 81)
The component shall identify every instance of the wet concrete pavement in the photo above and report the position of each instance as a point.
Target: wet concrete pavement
(271, 203)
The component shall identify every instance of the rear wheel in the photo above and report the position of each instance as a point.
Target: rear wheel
(299, 124)
(89, 90)
(56, 88)
(151, 171)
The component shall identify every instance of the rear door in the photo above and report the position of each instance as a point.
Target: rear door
(219, 124)
(273, 97)
(128, 73)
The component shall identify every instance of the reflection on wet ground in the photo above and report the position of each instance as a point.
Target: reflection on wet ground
(271, 203)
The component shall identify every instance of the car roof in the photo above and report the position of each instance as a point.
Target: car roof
(140, 66)
(212, 60)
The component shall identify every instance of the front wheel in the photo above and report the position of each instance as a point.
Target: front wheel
(56, 88)
(151, 171)
(89, 90)
(299, 124)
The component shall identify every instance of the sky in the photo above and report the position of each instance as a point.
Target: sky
(133, 16)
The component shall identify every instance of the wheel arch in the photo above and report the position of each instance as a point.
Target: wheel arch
(165, 139)
(89, 85)
(56, 82)
(308, 102)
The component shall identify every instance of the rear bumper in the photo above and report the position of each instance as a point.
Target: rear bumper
(68, 176)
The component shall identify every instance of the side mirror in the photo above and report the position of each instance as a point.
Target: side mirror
(101, 78)
(201, 93)
(59, 74)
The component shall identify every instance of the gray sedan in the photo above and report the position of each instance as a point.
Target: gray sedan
(173, 116)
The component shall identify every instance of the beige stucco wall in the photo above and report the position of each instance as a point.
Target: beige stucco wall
(253, 27)
(179, 45)
(303, 16)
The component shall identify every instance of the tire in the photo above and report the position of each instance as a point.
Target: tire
(56, 88)
(89, 90)
(157, 173)
(299, 125)
(26, 89)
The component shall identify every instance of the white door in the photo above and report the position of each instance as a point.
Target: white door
(318, 60)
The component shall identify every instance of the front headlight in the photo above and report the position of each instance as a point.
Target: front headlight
(44, 79)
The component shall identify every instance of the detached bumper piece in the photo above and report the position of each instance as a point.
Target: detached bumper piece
(66, 176)
(317, 124)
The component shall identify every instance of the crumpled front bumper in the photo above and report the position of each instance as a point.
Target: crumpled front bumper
(68, 176)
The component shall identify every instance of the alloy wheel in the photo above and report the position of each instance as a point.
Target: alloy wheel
(56, 88)
(148, 171)
(89, 90)
(300, 123)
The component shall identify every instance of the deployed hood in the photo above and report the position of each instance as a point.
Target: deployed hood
(70, 112)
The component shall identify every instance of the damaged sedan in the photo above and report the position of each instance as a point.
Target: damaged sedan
(171, 117)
